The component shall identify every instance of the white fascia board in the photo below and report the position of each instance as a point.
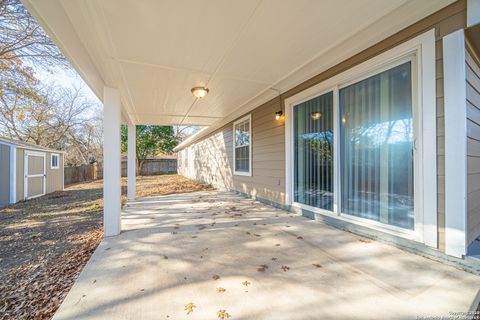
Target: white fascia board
(454, 82)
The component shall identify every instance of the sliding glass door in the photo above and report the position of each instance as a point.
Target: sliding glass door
(313, 152)
(377, 148)
(375, 156)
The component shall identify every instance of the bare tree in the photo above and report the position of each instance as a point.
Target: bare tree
(181, 133)
(23, 40)
(51, 116)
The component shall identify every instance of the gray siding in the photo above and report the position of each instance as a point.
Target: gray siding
(4, 175)
(473, 144)
(210, 160)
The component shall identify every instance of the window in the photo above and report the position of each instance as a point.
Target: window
(361, 146)
(54, 161)
(242, 146)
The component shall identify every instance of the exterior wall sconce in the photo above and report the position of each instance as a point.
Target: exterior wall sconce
(278, 115)
(199, 92)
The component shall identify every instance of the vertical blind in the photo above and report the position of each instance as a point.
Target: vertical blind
(376, 145)
(313, 147)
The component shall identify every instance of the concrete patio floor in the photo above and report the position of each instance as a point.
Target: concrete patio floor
(172, 246)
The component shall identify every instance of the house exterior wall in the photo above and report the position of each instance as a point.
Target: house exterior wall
(54, 177)
(472, 69)
(4, 175)
(210, 160)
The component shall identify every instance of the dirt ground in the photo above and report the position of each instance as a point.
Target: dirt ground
(45, 242)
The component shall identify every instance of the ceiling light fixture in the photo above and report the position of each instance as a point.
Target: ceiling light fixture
(315, 115)
(199, 92)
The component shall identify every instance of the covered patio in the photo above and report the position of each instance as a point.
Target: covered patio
(220, 255)
(273, 264)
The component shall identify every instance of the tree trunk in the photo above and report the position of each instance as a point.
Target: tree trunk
(139, 166)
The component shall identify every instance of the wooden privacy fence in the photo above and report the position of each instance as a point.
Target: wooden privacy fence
(92, 171)
(81, 173)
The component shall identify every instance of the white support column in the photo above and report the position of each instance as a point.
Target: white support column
(111, 162)
(132, 162)
(454, 81)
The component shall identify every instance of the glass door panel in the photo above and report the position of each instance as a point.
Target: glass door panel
(376, 142)
(313, 152)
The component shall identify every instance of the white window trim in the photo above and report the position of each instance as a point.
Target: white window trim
(13, 174)
(422, 48)
(243, 173)
(58, 160)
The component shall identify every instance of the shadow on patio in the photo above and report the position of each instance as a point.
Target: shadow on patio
(172, 247)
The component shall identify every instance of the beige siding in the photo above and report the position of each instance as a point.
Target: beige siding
(4, 175)
(213, 154)
(54, 177)
(473, 143)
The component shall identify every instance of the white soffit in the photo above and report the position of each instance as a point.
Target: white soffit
(154, 51)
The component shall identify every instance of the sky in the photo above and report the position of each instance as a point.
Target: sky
(67, 78)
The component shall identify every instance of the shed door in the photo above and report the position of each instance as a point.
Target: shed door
(35, 176)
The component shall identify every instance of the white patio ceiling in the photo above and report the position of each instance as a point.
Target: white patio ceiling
(155, 51)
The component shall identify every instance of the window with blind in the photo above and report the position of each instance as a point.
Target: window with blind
(242, 146)
(375, 156)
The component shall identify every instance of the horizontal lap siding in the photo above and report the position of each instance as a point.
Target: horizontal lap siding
(473, 144)
(268, 149)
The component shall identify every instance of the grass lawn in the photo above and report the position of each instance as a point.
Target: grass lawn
(45, 242)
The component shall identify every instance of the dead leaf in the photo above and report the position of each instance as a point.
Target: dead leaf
(189, 307)
(221, 290)
(262, 268)
(285, 268)
(222, 314)
(246, 283)
(215, 277)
